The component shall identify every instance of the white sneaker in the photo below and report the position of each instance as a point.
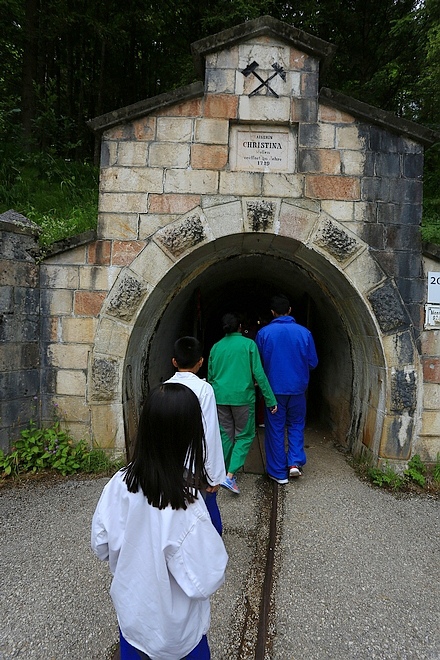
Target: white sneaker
(279, 481)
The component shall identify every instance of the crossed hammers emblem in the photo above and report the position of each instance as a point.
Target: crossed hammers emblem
(279, 71)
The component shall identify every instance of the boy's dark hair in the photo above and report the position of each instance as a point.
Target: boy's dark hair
(187, 352)
(280, 304)
(170, 438)
(230, 323)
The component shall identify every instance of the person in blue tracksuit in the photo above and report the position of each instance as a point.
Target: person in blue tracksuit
(288, 354)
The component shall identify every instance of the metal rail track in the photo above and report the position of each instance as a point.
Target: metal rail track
(261, 645)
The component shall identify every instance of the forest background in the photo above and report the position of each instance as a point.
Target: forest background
(63, 62)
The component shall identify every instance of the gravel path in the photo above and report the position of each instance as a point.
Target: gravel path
(358, 571)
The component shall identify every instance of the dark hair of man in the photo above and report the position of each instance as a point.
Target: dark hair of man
(187, 352)
(170, 437)
(230, 323)
(280, 304)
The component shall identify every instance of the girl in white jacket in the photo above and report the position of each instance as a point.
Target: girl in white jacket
(153, 527)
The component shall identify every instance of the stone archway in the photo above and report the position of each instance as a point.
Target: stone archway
(368, 373)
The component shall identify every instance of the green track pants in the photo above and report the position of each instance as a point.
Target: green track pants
(237, 428)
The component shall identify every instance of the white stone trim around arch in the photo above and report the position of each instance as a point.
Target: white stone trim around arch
(231, 226)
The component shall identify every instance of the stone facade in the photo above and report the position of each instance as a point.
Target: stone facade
(19, 326)
(329, 207)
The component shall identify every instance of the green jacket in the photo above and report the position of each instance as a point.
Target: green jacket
(233, 367)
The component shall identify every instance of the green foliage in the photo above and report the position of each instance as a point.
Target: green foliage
(416, 471)
(417, 476)
(431, 202)
(386, 478)
(52, 448)
(436, 470)
(58, 195)
(431, 220)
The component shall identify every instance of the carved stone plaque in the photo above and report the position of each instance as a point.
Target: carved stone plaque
(262, 149)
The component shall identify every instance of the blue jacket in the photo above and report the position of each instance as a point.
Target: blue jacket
(288, 353)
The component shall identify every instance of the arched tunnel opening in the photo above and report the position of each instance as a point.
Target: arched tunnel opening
(244, 283)
(240, 274)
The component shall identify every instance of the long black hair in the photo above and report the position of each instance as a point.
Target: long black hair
(170, 439)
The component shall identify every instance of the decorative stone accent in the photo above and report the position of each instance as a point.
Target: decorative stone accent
(388, 308)
(182, 235)
(336, 241)
(105, 375)
(403, 391)
(126, 298)
(260, 215)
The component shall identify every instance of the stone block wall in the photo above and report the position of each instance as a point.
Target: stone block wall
(74, 284)
(19, 327)
(178, 158)
(350, 196)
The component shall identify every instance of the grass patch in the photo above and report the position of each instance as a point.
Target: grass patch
(431, 221)
(60, 196)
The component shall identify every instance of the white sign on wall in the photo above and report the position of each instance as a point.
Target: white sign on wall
(433, 287)
(432, 317)
(262, 149)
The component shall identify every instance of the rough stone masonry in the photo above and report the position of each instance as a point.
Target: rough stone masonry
(255, 179)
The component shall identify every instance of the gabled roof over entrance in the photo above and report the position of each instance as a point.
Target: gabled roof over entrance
(322, 50)
(263, 26)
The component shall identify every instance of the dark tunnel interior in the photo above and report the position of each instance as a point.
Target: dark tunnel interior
(244, 284)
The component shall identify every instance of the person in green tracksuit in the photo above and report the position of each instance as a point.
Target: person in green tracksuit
(234, 365)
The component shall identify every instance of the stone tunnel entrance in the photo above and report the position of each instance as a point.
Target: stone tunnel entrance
(241, 274)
